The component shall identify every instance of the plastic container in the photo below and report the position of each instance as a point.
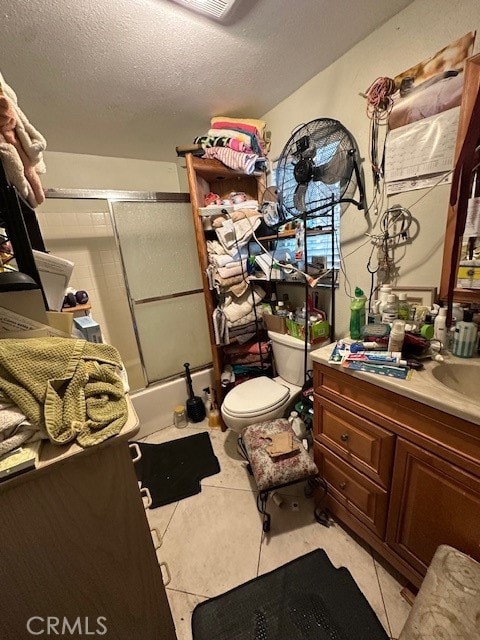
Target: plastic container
(390, 310)
(280, 309)
(440, 327)
(404, 309)
(299, 428)
(457, 311)
(357, 314)
(180, 419)
(465, 337)
(383, 293)
(397, 336)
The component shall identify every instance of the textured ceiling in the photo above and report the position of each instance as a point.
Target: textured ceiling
(134, 78)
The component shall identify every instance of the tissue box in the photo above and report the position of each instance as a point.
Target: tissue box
(89, 328)
(318, 331)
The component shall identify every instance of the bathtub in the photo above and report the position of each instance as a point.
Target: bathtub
(155, 405)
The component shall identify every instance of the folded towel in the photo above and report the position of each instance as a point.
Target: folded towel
(253, 348)
(236, 125)
(70, 388)
(15, 429)
(252, 316)
(238, 268)
(245, 328)
(222, 141)
(253, 122)
(228, 282)
(240, 214)
(235, 309)
(244, 162)
(233, 236)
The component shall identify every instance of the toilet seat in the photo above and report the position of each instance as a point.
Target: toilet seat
(255, 397)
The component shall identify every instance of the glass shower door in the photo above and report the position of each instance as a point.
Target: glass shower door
(159, 255)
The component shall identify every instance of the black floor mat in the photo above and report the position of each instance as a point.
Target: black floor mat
(173, 470)
(306, 599)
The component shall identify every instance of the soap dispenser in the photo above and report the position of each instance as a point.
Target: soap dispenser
(465, 336)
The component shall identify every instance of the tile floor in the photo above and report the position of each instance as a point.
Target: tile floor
(213, 541)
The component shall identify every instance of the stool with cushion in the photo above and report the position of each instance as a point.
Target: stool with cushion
(271, 474)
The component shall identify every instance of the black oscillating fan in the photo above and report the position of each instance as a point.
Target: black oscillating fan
(317, 170)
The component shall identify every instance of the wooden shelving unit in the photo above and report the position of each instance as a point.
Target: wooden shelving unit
(205, 176)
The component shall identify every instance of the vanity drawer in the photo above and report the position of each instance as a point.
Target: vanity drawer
(356, 440)
(355, 492)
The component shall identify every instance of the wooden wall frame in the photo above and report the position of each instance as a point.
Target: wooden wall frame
(470, 91)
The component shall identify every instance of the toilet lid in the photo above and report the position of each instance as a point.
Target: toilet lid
(255, 396)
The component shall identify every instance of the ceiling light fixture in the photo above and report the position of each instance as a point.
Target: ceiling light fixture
(216, 9)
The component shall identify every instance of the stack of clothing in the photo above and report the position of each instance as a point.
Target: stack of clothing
(239, 143)
(21, 148)
(248, 360)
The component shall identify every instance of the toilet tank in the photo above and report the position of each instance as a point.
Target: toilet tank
(289, 354)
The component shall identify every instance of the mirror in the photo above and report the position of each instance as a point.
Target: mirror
(458, 249)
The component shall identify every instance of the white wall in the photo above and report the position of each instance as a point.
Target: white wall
(413, 35)
(81, 171)
(80, 230)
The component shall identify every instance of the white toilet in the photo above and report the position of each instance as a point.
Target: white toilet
(262, 398)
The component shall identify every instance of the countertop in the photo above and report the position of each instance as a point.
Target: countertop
(422, 387)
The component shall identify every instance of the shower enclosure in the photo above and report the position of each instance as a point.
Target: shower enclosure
(137, 253)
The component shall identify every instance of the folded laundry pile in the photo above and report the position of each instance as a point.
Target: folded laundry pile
(239, 143)
(21, 148)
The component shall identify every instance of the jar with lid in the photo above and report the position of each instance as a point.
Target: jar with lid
(180, 419)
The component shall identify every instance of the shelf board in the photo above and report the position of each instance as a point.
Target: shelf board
(211, 170)
(291, 234)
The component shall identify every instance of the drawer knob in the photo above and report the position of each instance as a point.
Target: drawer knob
(344, 437)
(343, 485)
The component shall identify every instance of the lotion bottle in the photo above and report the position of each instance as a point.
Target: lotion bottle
(397, 336)
(440, 326)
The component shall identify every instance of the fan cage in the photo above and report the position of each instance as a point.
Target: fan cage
(330, 149)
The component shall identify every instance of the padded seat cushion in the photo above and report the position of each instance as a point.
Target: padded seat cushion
(269, 473)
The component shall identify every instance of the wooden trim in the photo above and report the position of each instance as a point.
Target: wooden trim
(470, 90)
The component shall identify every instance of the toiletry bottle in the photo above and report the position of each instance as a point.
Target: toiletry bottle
(357, 314)
(465, 338)
(457, 311)
(440, 327)
(383, 293)
(292, 416)
(298, 427)
(397, 336)
(280, 309)
(404, 309)
(390, 310)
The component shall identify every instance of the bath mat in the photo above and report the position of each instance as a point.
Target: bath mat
(173, 470)
(306, 599)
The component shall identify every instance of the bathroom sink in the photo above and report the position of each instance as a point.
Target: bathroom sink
(461, 378)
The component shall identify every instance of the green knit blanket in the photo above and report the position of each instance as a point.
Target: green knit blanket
(68, 388)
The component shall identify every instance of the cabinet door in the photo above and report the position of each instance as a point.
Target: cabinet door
(432, 502)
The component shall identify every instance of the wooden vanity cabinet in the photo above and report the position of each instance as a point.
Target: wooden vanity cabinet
(403, 476)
